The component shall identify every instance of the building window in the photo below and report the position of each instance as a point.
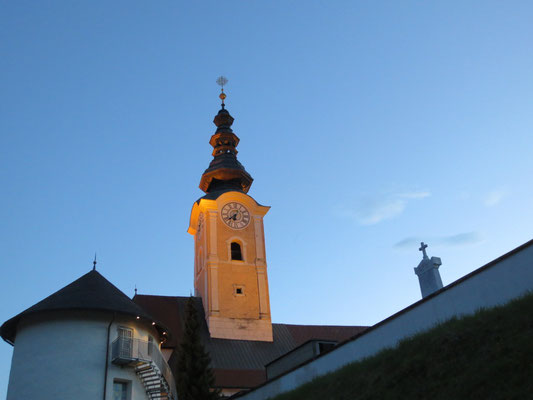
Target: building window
(325, 346)
(238, 290)
(120, 390)
(150, 345)
(236, 253)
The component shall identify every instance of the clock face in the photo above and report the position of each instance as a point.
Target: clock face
(235, 215)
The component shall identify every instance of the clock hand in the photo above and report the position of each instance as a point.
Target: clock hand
(233, 217)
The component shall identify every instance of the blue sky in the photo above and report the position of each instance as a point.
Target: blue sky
(368, 127)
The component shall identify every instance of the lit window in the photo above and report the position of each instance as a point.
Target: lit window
(236, 253)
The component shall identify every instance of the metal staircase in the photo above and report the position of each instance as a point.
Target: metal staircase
(155, 384)
(149, 365)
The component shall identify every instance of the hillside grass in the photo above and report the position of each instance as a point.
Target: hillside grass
(488, 355)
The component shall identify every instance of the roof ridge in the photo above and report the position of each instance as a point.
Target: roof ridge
(161, 295)
(323, 326)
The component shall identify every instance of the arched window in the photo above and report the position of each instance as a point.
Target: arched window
(236, 253)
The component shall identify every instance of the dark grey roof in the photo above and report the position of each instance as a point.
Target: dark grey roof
(238, 355)
(226, 160)
(250, 354)
(90, 292)
(224, 166)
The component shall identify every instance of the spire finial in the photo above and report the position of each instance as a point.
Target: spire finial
(94, 262)
(422, 248)
(135, 289)
(221, 81)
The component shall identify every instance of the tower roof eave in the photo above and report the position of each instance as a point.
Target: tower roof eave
(226, 174)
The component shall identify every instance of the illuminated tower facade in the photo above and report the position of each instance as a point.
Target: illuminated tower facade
(230, 269)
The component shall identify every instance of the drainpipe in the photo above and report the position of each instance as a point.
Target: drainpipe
(107, 355)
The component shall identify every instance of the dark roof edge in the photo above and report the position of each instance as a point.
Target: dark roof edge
(16, 319)
(242, 388)
(12, 323)
(216, 194)
(322, 326)
(162, 295)
(403, 311)
(300, 346)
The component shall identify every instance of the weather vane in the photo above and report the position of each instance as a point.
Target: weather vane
(222, 80)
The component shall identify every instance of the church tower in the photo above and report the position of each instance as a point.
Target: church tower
(230, 270)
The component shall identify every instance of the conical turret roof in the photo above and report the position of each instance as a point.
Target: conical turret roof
(90, 292)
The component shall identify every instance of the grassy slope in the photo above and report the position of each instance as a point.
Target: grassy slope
(485, 356)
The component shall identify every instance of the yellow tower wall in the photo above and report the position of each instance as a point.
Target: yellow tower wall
(232, 315)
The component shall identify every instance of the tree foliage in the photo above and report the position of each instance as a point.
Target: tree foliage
(194, 375)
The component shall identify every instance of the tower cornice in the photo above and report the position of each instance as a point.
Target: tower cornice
(213, 205)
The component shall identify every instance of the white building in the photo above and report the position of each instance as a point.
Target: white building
(87, 341)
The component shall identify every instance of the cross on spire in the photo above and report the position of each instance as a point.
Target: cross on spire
(422, 248)
(221, 81)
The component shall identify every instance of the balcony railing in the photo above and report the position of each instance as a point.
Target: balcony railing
(134, 352)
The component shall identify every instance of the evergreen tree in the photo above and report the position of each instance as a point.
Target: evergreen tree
(194, 376)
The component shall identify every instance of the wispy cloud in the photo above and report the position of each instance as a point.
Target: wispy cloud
(371, 210)
(460, 239)
(494, 197)
(408, 242)
(414, 195)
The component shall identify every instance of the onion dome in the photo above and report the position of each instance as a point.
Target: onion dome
(225, 171)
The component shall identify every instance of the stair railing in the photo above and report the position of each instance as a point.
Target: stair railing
(130, 351)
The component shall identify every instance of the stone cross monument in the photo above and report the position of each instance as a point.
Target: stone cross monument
(428, 272)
